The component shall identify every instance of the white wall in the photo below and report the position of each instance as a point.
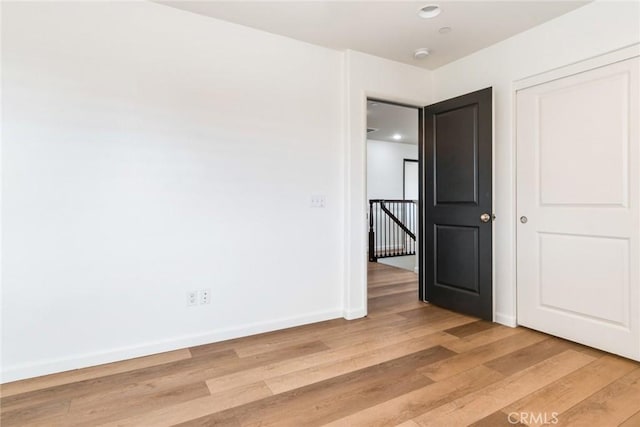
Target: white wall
(591, 30)
(368, 76)
(145, 154)
(385, 162)
(134, 133)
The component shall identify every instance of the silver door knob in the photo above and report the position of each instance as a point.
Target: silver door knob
(485, 217)
(524, 219)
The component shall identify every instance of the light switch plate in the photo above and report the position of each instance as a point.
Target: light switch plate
(318, 201)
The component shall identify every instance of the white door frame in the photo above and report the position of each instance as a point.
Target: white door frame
(358, 194)
(355, 198)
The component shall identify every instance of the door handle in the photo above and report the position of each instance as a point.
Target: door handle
(524, 219)
(485, 217)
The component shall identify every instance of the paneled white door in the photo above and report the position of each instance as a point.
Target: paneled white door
(578, 197)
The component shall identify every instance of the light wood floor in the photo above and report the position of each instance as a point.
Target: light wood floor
(407, 363)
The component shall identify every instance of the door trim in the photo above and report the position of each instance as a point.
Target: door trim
(578, 67)
(421, 208)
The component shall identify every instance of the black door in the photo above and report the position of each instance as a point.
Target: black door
(456, 222)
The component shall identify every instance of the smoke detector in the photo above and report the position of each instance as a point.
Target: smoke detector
(429, 11)
(421, 53)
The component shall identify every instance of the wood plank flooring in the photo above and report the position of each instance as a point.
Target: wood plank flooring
(407, 363)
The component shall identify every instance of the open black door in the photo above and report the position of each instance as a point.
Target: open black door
(456, 221)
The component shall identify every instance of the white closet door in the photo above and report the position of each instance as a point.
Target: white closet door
(578, 163)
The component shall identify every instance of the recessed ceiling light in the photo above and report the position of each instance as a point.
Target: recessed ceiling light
(444, 30)
(421, 53)
(429, 11)
(397, 136)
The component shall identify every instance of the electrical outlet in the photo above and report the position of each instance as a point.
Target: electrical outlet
(205, 296)
(192, 298)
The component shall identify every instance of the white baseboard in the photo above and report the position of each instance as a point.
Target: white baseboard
(354, 314)
(506, 320)
(19, 372)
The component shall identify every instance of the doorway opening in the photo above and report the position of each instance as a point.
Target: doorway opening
(393, 200)
(450, 241)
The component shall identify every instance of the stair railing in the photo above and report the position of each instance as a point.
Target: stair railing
(392, 228)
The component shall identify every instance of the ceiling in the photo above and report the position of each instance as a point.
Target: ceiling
(388, 29)
(390, 120)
